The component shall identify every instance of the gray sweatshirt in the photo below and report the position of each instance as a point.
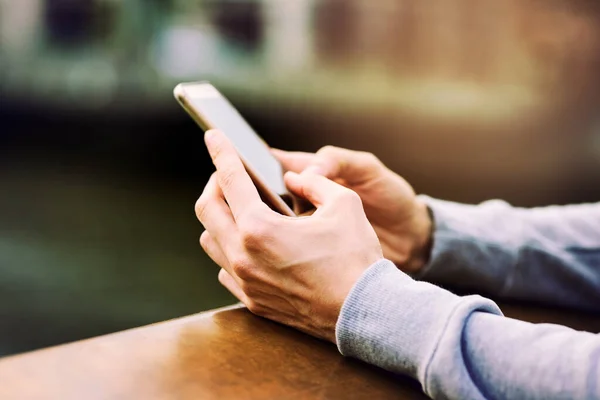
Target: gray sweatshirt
(462, 347)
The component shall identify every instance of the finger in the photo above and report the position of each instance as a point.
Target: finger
(212, 248)
(240, 192)
(227, 280)
(215, 215)
(315, 188)
(215, 252)
(295, 161)
(354, 167)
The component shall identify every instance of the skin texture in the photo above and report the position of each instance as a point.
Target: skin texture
(401, 221)
(296, 271)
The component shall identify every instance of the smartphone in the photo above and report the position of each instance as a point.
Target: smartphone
(211, 110)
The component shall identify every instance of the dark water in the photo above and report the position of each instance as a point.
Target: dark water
(97, 229)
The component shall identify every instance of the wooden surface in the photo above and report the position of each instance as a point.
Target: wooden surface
(222, 354)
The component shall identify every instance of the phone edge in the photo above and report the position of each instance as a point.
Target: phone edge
(182, 98)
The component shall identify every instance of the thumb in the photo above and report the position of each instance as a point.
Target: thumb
(315, 188)
(354, 167)
(295, 161)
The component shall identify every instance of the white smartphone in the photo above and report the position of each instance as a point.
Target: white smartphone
(211, 110)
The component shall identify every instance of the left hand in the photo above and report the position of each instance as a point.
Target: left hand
(293, 270)
(400, 219)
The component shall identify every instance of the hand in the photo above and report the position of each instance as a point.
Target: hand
(401, 221)
(296, 271)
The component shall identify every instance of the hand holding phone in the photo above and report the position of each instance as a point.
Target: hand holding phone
(211, 110)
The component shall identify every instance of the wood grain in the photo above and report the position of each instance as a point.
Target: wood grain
(222, 354)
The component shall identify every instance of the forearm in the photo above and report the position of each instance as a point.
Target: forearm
(547, 254)
(461, 347)
(531, 361)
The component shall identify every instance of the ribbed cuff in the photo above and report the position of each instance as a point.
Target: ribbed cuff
(467, 251)
(395, 322)
(446, 232)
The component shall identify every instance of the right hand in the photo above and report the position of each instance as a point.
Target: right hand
(401, 221)
(296, 271)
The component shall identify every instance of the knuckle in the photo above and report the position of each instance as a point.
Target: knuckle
(204, 239)
(349, 197)
(254, 307)
(200, 207)
(370, 158)
(327, 150)
(222, 277)
(256, 232)
(217, 148)
(226, 178)
(243, 268)
(248, 289)
(252, 240)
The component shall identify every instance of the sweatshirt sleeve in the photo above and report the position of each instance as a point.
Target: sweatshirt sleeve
(462, 347)
(549, 254)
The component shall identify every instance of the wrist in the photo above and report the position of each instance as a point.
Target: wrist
(420, 238)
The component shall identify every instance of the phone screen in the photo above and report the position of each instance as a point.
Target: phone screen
(214, 107)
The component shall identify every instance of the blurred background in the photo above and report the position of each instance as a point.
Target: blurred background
(100, 168)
